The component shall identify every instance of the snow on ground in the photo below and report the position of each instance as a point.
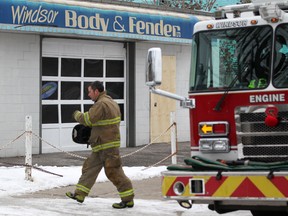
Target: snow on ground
(12, 178)
(12, 183)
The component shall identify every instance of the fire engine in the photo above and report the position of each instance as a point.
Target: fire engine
(238, 102)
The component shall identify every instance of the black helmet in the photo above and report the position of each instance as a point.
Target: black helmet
(81, 134)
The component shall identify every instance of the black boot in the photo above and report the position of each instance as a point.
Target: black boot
(76, 197)
(123, 204)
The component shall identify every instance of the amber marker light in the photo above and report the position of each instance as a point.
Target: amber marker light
(274, 20)
(210, 26)
(254, 22)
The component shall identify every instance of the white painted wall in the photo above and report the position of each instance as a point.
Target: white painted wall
(19, 90)
(182, 53)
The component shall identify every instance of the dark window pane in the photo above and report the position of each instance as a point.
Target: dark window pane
(115, 89)
(87, 107)
(70, 90)
(49, 66)
(85, 93)
(49, 114)
(70, 67)
(49, 90)
(122, 111)
(114, 68)
(67, 112)
(93, 68)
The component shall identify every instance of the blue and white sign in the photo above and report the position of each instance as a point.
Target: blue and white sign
(48, 89)
(39, 16)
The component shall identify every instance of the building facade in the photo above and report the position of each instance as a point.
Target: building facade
(52, 49)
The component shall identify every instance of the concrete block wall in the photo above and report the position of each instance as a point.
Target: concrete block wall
(182, 53)
(19, 90)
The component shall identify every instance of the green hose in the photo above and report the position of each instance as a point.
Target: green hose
(200, 164)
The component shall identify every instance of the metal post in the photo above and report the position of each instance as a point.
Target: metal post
(173, 138)
(28, 148)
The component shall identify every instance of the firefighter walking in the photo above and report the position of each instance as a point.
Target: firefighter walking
(104, 118)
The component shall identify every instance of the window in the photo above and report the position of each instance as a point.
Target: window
(71, 67)
(65, 82)
(231, 59)
(115, 89)
(93, 68)
(49, 90)
(50, 114)
(70, 90)
(280, 72)
(50, 67)
(67, 112)
(114, 68)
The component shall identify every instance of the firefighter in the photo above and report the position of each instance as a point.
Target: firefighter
(104, 118)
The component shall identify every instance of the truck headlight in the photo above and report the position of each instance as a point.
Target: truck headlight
(205, 145)
(220, 145)
(179, 188)
(214, 145)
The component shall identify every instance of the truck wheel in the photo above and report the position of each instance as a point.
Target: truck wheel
(268, 213)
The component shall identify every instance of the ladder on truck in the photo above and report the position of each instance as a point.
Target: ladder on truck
(268, 9)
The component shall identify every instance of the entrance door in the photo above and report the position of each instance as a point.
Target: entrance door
(161, 107)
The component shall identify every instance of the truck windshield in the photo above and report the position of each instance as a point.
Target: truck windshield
(280, 73)
(231, 59)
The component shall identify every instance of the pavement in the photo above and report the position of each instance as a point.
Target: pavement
(146, 155)
(149, 155)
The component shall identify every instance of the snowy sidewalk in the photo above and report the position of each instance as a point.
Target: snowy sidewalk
(45, 196)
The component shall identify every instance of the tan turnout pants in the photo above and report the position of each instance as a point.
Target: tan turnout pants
(111, 161)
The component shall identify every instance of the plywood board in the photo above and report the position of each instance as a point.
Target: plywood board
(161, 106)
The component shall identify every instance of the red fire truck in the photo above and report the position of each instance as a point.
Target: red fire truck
(238, 101)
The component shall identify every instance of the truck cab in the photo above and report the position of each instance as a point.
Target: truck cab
(238, 109)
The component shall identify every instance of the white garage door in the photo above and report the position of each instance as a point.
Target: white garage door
(68, 66)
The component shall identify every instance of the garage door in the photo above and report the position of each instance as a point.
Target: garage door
(68, 66)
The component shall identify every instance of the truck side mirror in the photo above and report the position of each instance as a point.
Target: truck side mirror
(154, 67)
